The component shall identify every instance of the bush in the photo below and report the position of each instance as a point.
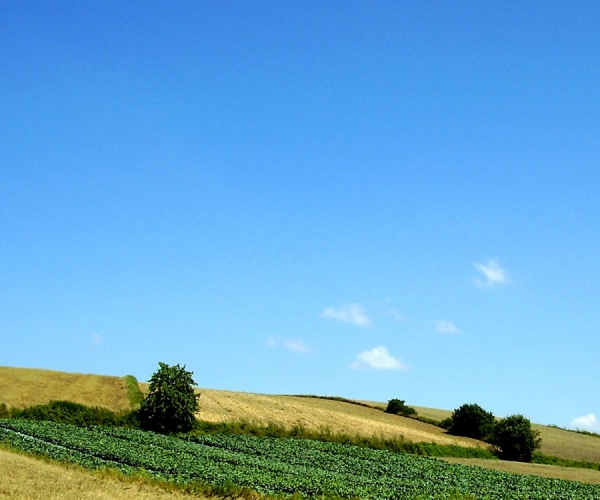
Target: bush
(515, 439)
(171, 403)
(471, 420)
(397, 407)
(67, 412)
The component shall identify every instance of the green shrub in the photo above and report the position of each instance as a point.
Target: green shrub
(133, 391)
(470, 420)
(67, 412)
(515, 439)
(397, 407)
(4, 411)
(171, 403)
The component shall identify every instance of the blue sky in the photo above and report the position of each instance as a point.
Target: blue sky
(373, 200)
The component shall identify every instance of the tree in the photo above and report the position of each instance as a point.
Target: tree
(471, 420)
(515, 439)
(397, 407)
(171, 403)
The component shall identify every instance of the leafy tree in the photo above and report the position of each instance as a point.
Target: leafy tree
(397, 407)
(171, 403)
(515, 439)
(471, 420)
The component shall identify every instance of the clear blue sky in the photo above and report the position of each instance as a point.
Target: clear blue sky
(376, 200)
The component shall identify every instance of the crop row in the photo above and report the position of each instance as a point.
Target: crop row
(280, 465)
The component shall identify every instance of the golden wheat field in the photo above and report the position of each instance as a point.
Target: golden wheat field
(315, 414)
(21, 387)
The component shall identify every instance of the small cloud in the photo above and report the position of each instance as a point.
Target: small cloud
(378, 358)
(446, 327)
(351, 313)
(493, 274)
(397, 315)
(96, 339)
(588, 422)
(296, 346)
(289, 344)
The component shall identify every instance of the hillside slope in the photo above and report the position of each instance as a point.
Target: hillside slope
(315, 414)
(21, 387)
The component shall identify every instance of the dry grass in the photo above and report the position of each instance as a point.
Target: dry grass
(28, 478)
(567, 444)
(568, 473)
(21, 387)
(315, 414)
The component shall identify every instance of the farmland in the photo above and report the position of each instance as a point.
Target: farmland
(21, 387)
(280, 466)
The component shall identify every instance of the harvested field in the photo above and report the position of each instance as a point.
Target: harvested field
(29, 478)
(21, 387)
(568, 444)
(315, 414)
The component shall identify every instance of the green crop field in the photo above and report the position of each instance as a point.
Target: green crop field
(280, 466)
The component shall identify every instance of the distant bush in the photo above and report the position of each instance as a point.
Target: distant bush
(67, 412)
(515, 439)
(4, 411)
(471, 420)
(397, 407)
(446, 423)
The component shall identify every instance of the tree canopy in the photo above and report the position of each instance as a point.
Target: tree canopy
(171, 403)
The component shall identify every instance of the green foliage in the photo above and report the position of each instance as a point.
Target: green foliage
(446, 423)
(133, 391)
(171, 403)
(4, 411)
(515, 439)
(397, 407)
(67, 412)
(470, 420)
(283, 467)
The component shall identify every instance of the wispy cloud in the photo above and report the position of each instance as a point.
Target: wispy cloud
(446, 327)
(493, 274)
(96, 339)
(397, 315)
(350, 313)
(378, 358)
(587, 422)
(293, 345)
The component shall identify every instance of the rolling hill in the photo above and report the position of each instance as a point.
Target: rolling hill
(20, 387)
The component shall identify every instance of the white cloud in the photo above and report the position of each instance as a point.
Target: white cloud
(295, 345)
(289, 344)
(351, 313)
(378, 358)
(588, 422)
(493, 274)
(446, 327)
(96, 339)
